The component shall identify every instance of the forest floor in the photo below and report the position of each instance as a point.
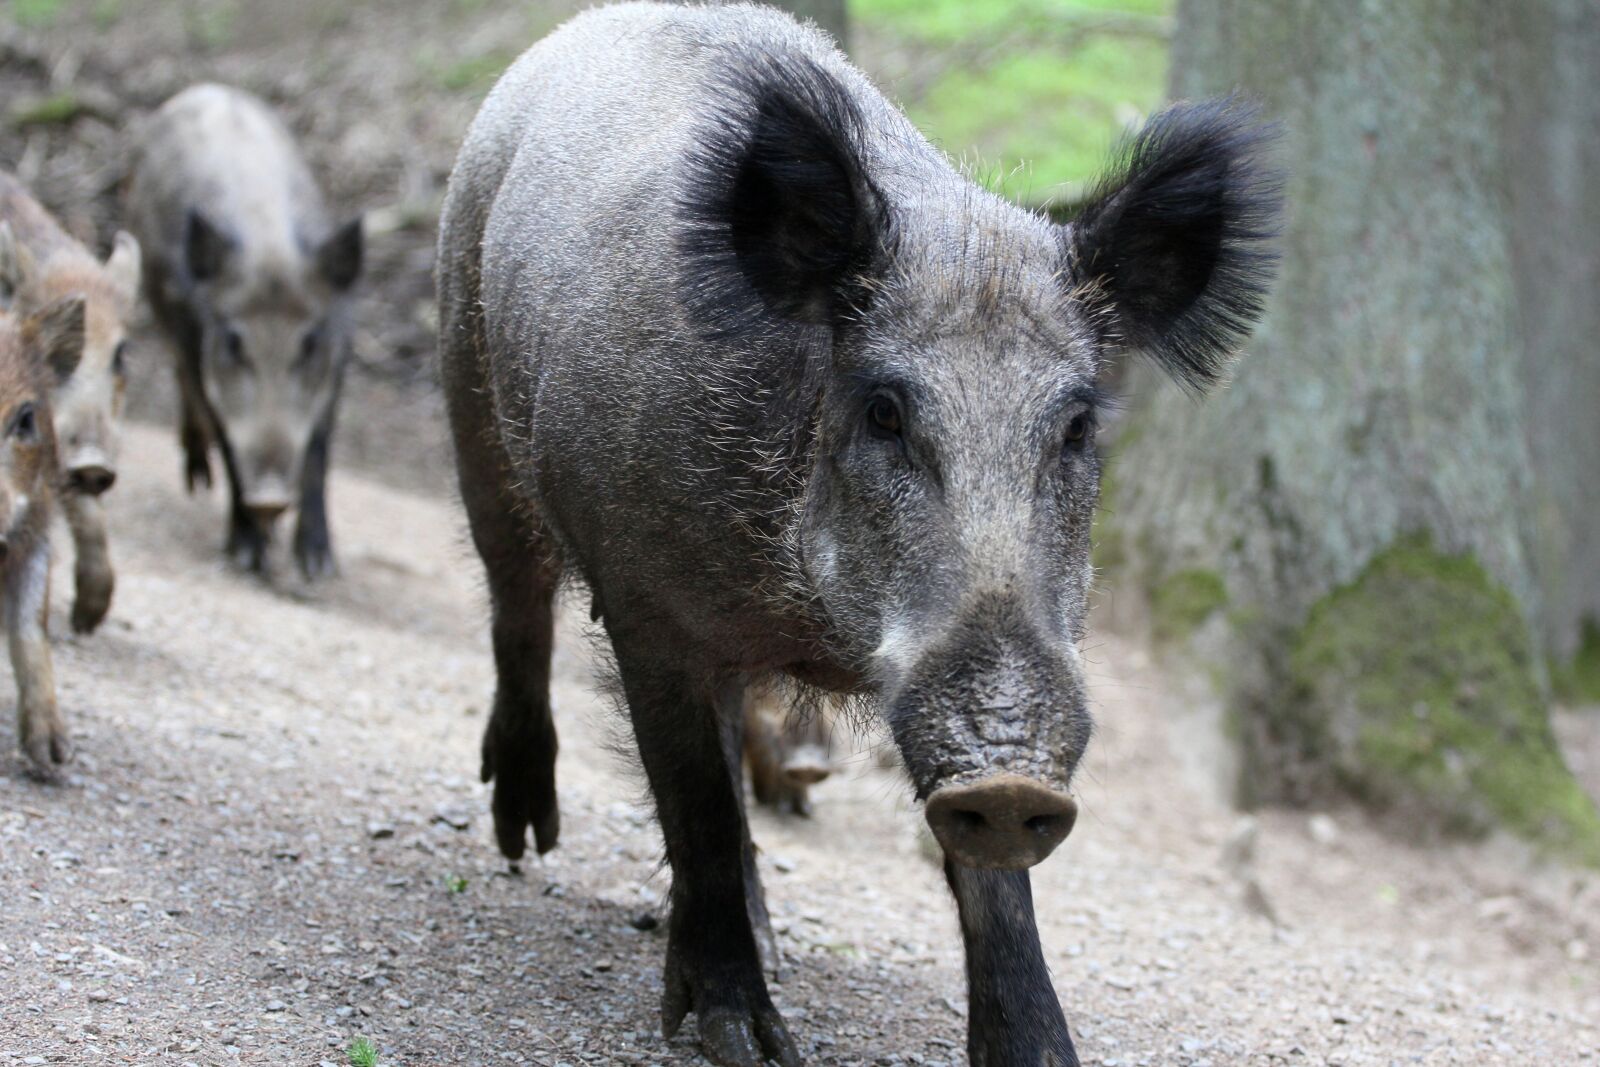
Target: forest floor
(273, 842)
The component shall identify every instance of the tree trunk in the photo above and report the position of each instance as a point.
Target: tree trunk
(1348, 526)
(1552, 130)
(829, 14)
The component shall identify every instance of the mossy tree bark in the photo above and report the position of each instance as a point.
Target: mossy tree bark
(1352, 525)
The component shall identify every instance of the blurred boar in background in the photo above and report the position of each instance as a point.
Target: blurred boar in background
(38, 352)
(723, 335)
(250, 279)
(788, 752)
(40, 265)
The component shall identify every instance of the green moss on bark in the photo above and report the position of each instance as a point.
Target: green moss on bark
(1417, 682)
(1578, 680)
(1182, 601)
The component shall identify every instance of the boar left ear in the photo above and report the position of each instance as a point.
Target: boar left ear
(56, 334)
(122, 267)
(1173, 253)
(339, 255)
(15, 263)
(778, 220)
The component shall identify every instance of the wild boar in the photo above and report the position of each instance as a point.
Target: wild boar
(40, 265)
(251, 282)
(37, 353)
(787, 753)
(725, 338)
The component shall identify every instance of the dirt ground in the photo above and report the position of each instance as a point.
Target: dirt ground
(274, 842)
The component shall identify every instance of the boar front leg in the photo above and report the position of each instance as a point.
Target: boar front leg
(713, 967)
(92, 574)
(1013, 1016)
(27, 605)
(313, 547)
(247, 541)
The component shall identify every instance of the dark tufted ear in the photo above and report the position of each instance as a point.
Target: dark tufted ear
(339, 256)
(1175, 245)
(778, 217)
(205, 248)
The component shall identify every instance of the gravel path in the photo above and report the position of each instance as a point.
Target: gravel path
(274, 842)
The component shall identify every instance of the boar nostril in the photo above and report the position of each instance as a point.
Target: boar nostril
(971, 820)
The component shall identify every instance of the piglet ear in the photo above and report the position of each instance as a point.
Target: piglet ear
(778, 219)
(339, 256)
(15, 263)
(1174, 251)
(206, 248)
(55, 334)
(122, 267)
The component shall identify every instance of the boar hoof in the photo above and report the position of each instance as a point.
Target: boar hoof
(247, 548)
(196, 471)
(315, 557)
(738, 1027)
(91, 604)
(48, 751)
(522, 768)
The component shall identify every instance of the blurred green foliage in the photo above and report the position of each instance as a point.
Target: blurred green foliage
(32, 14)
(1031, 94)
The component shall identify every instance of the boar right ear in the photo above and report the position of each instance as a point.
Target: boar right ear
(778, 219)
(1173, 253)
(15, 263)
(123, 268)
(205, 248)
(339, 256)
(56, 334)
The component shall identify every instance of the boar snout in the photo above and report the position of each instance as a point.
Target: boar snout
(1006, 821)
(266, 512)
(91, 479)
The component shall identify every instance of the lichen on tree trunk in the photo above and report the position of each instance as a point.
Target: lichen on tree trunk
(1383, 399)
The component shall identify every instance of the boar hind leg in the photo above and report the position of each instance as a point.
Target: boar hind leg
(1014, 1018)
(93, 577)
(713, 967)
(313, 547)
(39, 727)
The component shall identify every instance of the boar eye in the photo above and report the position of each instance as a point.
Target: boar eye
(233, 346)
(25, 423)
(883, 416)
(1079, 431)
(119, 360)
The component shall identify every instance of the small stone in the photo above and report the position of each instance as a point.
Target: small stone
(1324, 831)
(277, 1006)
(783, 863)
(603, 964)
(378, 831)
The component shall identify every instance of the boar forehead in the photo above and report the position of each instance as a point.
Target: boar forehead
(977, 316)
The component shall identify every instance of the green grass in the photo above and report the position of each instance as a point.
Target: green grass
(363, 1053)
(33, 14)
(1031, 94)
(455, 883)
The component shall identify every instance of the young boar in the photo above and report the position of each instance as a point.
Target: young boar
(724, 337)
(39, 266)
(37, 353)
(251, 282)
(787, 753)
